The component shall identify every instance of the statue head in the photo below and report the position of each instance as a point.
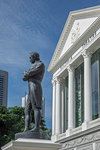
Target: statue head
(34, 56)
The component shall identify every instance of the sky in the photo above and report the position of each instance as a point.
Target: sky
(32, 25)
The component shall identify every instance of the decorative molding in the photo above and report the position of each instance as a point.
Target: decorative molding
(98, 146)
(70, 68)
(75, 33)
(86, 147)
(82, 140)
(86, 54)
(89, 39)
(60, 80)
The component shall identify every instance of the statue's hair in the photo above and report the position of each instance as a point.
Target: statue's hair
(36, 55)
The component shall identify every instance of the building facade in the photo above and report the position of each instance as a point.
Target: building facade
(76, 82)
(43, 108)
(24, 100)
(3, 88)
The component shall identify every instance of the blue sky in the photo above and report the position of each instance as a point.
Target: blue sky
(32, 25)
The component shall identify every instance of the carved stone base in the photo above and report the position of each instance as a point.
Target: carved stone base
(31, 135)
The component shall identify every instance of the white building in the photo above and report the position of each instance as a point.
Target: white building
(76, 82)
(43, 108)
(3, 88)
(24, 100)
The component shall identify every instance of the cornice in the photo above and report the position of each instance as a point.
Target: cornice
(87, 12)
(60, 43)
(93, 11)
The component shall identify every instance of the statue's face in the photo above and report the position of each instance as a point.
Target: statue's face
(32, 59)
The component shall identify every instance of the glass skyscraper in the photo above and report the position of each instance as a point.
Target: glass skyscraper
(3, 88)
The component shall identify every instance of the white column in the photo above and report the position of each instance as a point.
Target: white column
(58, 106)
(65, 89)
(63, 106)
(70, 97)
(87, 87)
(54, 108)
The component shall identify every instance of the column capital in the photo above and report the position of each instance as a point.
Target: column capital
(58, 105)
(58, 79)
(70, 68)
(53, 82)
(86, 54)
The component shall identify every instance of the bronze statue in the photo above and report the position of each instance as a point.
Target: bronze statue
(34, 77)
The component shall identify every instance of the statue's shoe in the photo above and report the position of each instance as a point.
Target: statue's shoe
(35, 130)
(26, 129)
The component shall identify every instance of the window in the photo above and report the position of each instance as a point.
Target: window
(79, 95)
(96, 84)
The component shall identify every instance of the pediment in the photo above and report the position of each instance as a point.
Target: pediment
(76, 26)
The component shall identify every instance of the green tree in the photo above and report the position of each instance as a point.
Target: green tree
(18, 120)
(12, 121)
(5, 124)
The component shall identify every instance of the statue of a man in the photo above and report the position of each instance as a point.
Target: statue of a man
(34, 77)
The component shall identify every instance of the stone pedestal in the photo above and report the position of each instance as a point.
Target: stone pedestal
(30, 135)
(31, 144)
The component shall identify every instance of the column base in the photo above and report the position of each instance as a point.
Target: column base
(85, 125)
(68, 132)
(54, 138)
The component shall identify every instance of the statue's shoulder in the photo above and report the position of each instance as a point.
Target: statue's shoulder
(40, 63)
(37, 64)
